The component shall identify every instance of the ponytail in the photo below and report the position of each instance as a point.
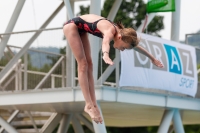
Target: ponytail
(120, 25)
(129, 35)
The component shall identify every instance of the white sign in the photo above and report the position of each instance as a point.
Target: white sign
(178, 75)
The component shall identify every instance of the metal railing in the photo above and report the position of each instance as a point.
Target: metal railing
(36, 68)
(41, 69)
(24, 75)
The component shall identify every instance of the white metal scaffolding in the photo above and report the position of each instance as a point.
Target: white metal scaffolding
(65, 104)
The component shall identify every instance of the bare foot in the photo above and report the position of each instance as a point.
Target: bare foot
(93, 113)
(99, 118)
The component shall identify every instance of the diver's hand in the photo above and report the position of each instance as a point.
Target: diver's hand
(157, 63)
(107, 59)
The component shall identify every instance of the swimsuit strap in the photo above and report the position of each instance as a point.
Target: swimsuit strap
(107, 20)
(113, 25)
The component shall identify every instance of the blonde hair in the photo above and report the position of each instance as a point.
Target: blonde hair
(129, 35)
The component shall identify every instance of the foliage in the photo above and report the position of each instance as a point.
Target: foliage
(154, 129)
(192, 129)
(131, 13)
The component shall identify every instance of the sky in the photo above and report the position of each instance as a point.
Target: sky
(35, 12)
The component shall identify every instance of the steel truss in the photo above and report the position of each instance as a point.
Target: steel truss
(63, 120)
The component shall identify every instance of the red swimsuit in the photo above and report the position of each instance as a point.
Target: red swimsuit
(84, 26)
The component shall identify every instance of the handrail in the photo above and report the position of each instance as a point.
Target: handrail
(8, 73)
(30, 31)
(39, 73)
(37, 50)
(11, 78)
(48, 74)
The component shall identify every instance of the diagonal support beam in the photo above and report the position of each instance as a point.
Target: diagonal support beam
(27, 45)
(64, 124)
(11, 78)
(7, 126)
(99, 128)
(107, 72)
(166, 121)
(85, 121)
(10, 71)
(177, 122)
(114, 9)
(10, 119)
(33, 121)
(77, 125)
(49, 73)
(51, 123)
(11, 25)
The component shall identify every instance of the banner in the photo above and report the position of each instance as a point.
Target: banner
(160, 6)
(178, 75)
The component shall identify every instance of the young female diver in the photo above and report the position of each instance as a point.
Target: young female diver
(76, 30)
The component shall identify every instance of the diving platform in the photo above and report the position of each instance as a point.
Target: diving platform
(121, 107)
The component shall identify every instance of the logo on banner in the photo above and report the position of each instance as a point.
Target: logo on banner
(175, 60)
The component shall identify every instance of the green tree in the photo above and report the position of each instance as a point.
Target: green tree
(131, 13)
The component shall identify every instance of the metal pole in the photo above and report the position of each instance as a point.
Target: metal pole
(7, 126)
(33, 121)
(73, 58)
(69, 56)
(69, 68)
(27, 45)
(11, 25)
(69, 9)
(150, 17)
(186, 39)
(117, 56)
(77, 125)
(51, 123)
(114, 9)
(25, 71)
(95, 8)
(10, 119)
(99, 128)
(175, 27)
(17, 77)
(166, 121)
(178, 126)
(111, 16)
(20, 76)
(64, 124)
(63, 73)
(52, 81)
(85, 121)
